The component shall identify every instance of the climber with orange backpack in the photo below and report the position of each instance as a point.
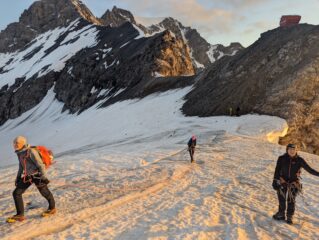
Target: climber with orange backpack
(33, 162)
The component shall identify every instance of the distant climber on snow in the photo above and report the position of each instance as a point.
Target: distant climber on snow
(287, 181)
(238, 111)
(230, 111)
(32, 169)
(191, 147)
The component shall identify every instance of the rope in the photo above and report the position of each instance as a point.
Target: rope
(100, 188)
(290, 196)
(121, 188)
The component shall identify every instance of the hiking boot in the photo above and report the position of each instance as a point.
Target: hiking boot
(289, 220)
(279, 216)
(15, 218)
(49, 212)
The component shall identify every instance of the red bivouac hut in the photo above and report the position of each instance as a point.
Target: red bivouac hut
(289, 20)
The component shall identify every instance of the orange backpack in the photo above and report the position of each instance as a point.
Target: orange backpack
(45, 154)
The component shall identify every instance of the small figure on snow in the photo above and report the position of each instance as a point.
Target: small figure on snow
(191, 147)
(287, 181)
(230, 111)
(238, 111)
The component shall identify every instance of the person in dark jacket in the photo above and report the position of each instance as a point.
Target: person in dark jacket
(31, 170)
(191, 147)
(286, 181)
(238, 111)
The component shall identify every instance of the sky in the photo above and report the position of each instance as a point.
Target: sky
(217, 21)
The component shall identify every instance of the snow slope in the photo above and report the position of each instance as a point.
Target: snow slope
(123, 172)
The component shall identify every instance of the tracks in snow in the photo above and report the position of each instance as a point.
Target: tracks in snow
(227, 196)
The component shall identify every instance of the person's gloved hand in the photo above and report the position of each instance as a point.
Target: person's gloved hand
(16, 182)
(276, 184)
(45, 180)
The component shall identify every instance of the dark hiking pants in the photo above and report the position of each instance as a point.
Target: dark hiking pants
(287, 196)
(23, 186)
(191, 153)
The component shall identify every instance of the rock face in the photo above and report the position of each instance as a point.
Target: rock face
(28, 94)
(42, 16)
(201, 52)
(277, 75)
(198, 46)
(130, 67)
(117, 17)
(217, 51)
(173, 59)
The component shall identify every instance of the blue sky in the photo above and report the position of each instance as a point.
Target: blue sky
(218, 21)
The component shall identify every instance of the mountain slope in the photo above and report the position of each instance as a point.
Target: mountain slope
(117, 17)
(277, 75)
(86, 62)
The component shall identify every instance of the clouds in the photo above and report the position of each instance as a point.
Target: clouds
(229, 18)
(243, 3)
(195, 13)
(210, 18)
(191, 13)
(256, 26)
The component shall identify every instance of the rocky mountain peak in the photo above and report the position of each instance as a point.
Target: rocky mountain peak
(85, 12)
(116, 17)
(235, 45)
(42, 16)
(201, 52)
(173, 59)
(47, 14)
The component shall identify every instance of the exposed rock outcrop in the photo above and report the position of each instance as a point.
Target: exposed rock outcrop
(277, 75)
(42, 16)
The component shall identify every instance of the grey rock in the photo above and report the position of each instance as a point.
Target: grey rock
(42, 16)
(277, 75)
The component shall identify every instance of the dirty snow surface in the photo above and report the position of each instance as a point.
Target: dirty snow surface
(123, 172)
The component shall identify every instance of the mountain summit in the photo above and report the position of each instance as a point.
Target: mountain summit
(202, 52)
(43, 16)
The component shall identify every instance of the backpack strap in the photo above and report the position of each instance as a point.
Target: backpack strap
(23, 162)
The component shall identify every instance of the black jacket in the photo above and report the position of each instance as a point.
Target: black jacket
(191, 143)
(288, 168)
